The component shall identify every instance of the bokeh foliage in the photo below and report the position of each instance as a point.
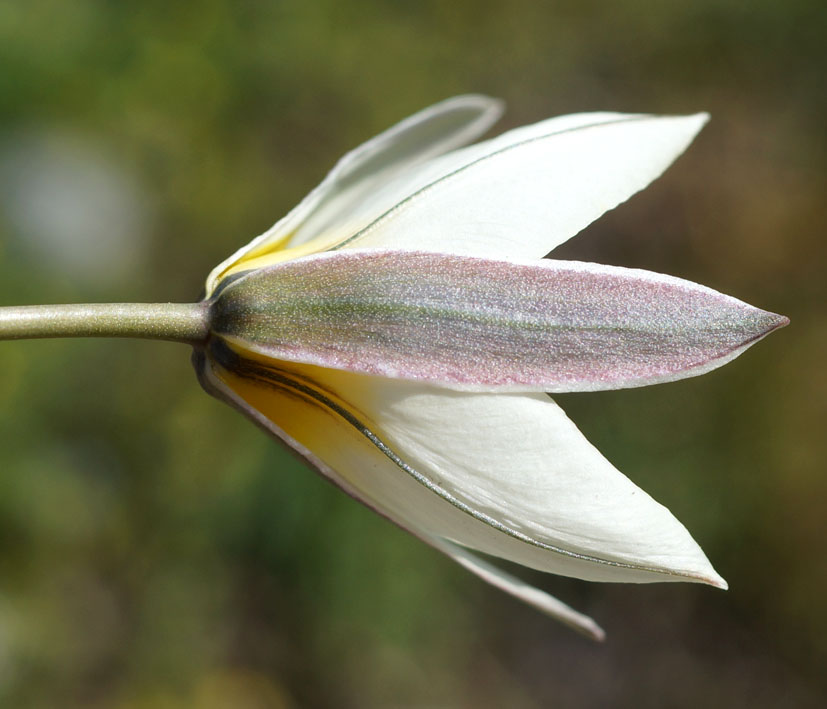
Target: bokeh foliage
(158, 551)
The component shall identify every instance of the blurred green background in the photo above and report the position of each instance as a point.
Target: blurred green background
(158, 551)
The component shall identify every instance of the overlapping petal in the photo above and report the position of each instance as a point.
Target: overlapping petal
(481, 324)
(299, 418)
(564, 173)
(505, 474)
(377, 361)
(523, 200)
(384, 195)
(335, 204)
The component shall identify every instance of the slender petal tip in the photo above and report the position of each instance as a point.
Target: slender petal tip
(762, 325)
(776, 322)
(716, 581)
(595, 632)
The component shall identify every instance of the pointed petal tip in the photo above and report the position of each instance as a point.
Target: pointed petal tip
(776, 322)
(712, 578)
(697, 569)
(765, 323)
(489, 107)
(722, 584)
(492, 103)
(593, 630)
(533, 596)
(576, 621)
(688, 126)
(693, 121)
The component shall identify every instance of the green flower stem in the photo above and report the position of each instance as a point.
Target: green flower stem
(177, 322)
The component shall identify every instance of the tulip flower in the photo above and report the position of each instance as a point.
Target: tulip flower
(400, 331)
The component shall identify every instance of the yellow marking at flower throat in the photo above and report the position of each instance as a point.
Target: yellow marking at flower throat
(318, 428)
(278, 252)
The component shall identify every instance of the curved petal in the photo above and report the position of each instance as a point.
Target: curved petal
(346, 216)
(213, 382)
(385, 194)
(361, 172)
(508, 475)
(481, 324)
(529, 197)
(518, 588)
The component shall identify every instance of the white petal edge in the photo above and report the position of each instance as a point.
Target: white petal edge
(502, 580)
(529, 197)
(427, 134)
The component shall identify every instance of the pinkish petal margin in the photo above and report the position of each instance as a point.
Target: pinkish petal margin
(480, 324)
